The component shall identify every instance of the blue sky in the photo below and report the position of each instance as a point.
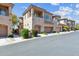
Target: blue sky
(70, 10)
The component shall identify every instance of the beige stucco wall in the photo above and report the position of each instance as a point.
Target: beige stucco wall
(27, 23)
(5, 20)
(38, 21)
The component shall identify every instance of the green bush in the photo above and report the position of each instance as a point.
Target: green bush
(43, 33)
(11, 36)
(53, 31)
(77, 27)
(34, 33)
(25, 33)
(66, 28)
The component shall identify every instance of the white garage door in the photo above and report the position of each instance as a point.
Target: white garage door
(3, 30)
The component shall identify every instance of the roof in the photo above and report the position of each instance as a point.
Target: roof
(21, 18)
(72, 20)
(31, 6)
(68, 19)
(64, 19)
(56, 16)
(7, 4)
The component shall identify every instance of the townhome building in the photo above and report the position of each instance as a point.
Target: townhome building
(67, 22)
(5, 18)
(56, 21)
(38, 19)
(64, 21)
(71, 24)
(43, 21)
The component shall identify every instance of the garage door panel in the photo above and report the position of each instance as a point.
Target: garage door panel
(48, 29)
(3, 30)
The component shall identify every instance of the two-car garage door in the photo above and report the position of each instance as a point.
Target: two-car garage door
(3, 30)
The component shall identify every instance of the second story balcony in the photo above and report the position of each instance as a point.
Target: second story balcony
(38, 20)
(5, 19)
(64, 21)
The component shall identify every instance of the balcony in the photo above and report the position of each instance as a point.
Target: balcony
(63, 23)
(4, 19)
(38, 20)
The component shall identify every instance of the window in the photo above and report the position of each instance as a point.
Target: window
(47, 17)
(38, 14)
(3, 12)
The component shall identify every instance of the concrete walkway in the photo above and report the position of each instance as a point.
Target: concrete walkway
(7, 41)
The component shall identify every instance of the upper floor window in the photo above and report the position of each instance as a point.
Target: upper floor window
(47, 17)
(38, 14)
(3, 12)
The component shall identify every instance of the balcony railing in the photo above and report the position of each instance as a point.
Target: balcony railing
(5, 19)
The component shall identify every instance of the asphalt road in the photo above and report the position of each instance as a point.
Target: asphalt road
(59, 45)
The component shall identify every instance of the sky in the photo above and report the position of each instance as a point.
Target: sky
(69, 10)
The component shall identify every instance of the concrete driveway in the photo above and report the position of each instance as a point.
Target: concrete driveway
(58, 45)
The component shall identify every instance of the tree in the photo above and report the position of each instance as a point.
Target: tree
(14, 19)
(77, 26)
(14, 23)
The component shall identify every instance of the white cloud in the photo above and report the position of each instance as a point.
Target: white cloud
(66, 9)
(77, 6)
(68, 12)
(63, 11)
(54, 3)
(24, 7)
(76, 12)
(77, 20)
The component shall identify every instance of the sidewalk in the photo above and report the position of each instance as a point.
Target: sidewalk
(51, 34)
(7, 41)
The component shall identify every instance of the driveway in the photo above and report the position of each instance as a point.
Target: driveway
(58, 45)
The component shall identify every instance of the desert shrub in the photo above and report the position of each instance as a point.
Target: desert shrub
(34, 33)
(53, 31)
(10, 36)
(24, 33)
(66, 28)
(43, 33)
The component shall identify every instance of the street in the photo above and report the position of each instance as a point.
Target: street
(58, 45)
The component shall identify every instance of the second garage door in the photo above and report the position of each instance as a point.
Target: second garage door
(48, 29)
(37, 27)
(3, 30)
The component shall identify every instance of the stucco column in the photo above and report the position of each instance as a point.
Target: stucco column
(10, 22)
(32, 12)
(55, 24)
(42, 25)
(32, 18)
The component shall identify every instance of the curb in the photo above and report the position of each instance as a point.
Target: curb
(22, 40)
